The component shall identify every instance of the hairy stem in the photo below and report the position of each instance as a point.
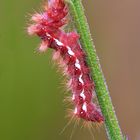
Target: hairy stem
(80, 22)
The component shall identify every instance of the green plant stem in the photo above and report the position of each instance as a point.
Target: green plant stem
(80, 22)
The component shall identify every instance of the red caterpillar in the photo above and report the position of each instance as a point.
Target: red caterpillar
(48, 27)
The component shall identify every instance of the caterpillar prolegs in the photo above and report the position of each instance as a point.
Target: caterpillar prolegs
(48, 26)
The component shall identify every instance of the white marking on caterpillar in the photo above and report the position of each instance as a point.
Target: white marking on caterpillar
(80, 79)
(70, 51)
(84, 107)
(75, 110)
(83, 95)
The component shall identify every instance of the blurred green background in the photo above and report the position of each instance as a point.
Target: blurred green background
(31, 94)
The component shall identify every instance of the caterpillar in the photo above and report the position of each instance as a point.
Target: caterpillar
(48, 26)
